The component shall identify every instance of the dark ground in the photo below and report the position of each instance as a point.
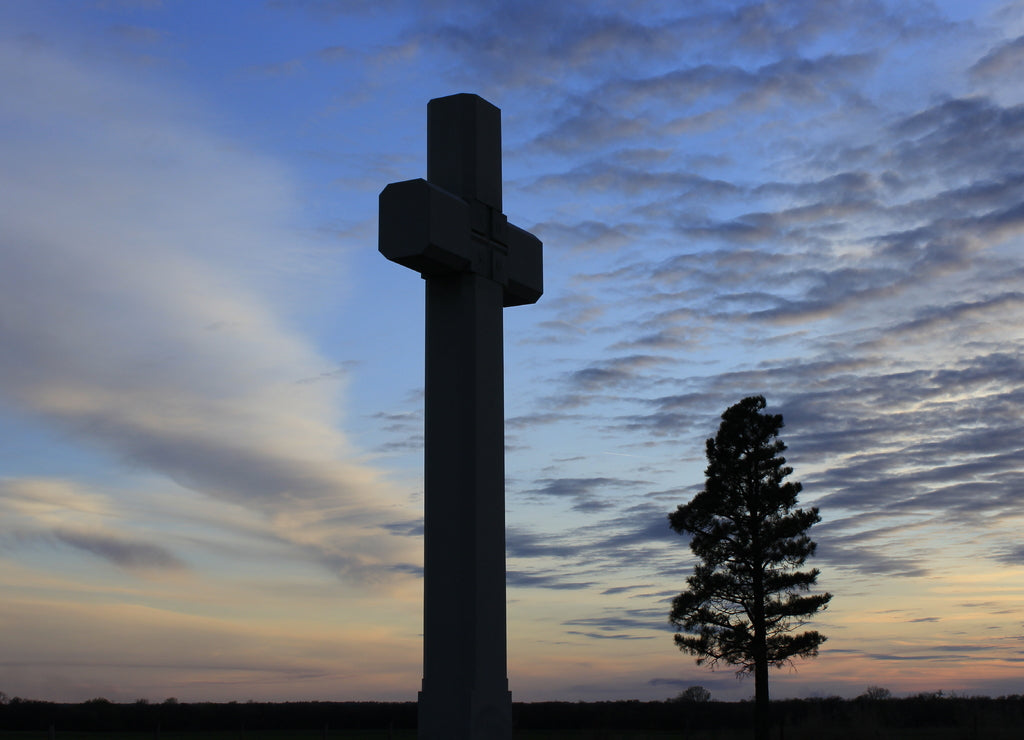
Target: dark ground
(930, 717)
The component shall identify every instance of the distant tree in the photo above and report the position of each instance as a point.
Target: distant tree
(3, 698)
(876, 693)
(746, 599)
(694, 694)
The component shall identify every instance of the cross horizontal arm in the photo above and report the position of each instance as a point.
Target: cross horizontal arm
(525, 268)
(424, 228)
(434, 232)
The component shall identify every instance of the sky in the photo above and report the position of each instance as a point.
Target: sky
(211, 382)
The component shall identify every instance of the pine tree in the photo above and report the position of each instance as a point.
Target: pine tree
(746, 599)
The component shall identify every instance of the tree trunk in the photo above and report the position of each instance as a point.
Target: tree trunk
(762, 706)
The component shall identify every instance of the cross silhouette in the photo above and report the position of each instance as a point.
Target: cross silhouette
(450, 228)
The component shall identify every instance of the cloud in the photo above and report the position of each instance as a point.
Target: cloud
(600, 177)
(891, 403)
(520, 543)
(614, 372)
(605, 636)
(1011, 555)
(60, 512)
(818, 263)
(523, 579)
(884, 438)
(129, 326)
(529, 421)
(120, 551)
(901, 658)
(931, 141)
(1003, 61)
(632, 542)
(570, 43)
(412, 528)
(616, 621)
(623, 589)
(790, 80)
(589, 236)
(640, 524)
(583, 492)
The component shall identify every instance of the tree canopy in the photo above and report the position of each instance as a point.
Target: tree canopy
(747, 599)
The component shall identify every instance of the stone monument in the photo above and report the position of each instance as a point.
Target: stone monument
(450, 228)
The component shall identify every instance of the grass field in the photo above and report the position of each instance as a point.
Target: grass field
(794, 733)
(914, 718)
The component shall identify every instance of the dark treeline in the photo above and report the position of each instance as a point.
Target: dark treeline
(100, 715)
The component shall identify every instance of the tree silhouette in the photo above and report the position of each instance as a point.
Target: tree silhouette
(694, 695)
(876, 693)
(746, 599)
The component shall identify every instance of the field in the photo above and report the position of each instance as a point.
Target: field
(847, 733)
(931, 717)
(794, 733)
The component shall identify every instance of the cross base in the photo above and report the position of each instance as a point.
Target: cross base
(488, 716)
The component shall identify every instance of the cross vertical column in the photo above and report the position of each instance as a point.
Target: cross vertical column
(464, 649)
(450, 228)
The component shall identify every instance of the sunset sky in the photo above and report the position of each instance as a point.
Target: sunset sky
(211, 383)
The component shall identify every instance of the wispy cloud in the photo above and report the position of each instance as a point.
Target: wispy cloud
(58, 512)
(121, 551)
(581, 491)
(126, 330)
(1002, 61)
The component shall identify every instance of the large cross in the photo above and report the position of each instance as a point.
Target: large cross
(450, 229)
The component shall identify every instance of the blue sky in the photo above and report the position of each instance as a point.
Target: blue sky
(211, 381)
